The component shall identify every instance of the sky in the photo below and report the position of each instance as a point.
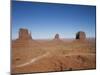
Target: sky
(44, 20)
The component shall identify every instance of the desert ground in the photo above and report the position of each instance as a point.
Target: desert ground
(33, 56)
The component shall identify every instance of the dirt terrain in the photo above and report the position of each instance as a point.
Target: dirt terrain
(33, 56)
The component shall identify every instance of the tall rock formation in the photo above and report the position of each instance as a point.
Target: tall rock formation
(80, 35)
(57, 36)
(24, 34)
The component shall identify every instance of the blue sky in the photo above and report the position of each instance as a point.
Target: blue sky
(44, 20)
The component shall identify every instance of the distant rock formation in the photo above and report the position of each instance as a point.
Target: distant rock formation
(24, 34)
(80, 35)
(56, 36)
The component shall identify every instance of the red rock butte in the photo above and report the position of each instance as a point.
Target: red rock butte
(56, 37)
(24, 34)
(80, 35)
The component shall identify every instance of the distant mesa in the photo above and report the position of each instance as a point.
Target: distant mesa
(80, 35)
(24, 34)
(57, 37)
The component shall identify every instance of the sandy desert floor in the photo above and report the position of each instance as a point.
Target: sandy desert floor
(52, 55)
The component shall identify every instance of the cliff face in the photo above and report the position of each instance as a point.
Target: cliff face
(24, 39)
(24, 34)
(80, 35)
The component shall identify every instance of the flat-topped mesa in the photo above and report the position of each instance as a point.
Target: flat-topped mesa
(56, 37)
(80, 35)
(24, 34)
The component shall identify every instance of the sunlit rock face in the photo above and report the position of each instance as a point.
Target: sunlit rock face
(80, 35)
(24, 34)
(24, 39)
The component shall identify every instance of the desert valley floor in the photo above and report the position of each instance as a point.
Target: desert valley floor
(33, 56)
